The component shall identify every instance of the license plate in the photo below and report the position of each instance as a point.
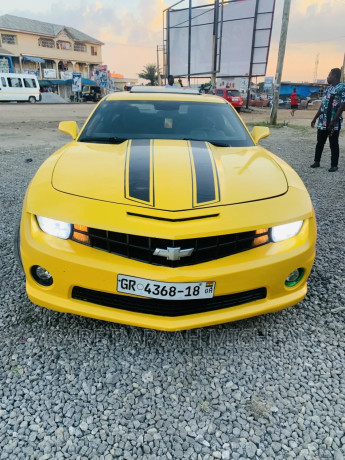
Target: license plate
(169, 291)
(235, 98)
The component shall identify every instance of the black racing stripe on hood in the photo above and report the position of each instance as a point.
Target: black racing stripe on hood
(139, 170)
(204, 175)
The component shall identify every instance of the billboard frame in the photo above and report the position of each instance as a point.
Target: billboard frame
(218, 21)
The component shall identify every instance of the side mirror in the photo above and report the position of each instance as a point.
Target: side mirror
(260, 132)
(69, 127)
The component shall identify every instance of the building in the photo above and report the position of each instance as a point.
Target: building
(119, 82)
(50, 51)
(304, 90)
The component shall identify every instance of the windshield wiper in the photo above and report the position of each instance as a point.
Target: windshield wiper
(215, 143)
(106, 140)
(219, 144)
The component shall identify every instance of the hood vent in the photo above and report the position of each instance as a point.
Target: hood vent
(172, 220)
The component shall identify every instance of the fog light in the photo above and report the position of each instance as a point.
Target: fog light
(294, 277)
(41, 275)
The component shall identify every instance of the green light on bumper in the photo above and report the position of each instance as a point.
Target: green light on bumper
(294, 277)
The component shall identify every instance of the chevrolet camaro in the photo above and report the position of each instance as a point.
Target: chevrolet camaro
(165, 213)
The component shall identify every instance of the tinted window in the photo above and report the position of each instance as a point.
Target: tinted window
(14, 82)
(219, 92)
(3, 81)
(233, 92)
(29, 83)
(212, 122)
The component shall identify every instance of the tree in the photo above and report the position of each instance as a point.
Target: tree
(261, 86)
(150, 73)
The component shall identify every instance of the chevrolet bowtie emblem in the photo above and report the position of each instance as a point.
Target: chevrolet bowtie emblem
(173, 253)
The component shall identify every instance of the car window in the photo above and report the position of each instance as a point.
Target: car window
(121, 120)
(29, 83)
(14, 82)
(233, 92)
(219, 92)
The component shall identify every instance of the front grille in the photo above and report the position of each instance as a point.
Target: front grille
(141, 248)
(163, 307)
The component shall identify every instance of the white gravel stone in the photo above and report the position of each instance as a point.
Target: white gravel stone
(268, 387)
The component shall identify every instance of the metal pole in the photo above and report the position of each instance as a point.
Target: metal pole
(281, 54)
(252, 52)
(343, 70)
(158, 71)
(214, 45)
(168, 48)
(189, 39)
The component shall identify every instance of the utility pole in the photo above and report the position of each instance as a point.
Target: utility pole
(158, 70)
(343, 70)
(316, 67)
(281, 54)
(214, 45)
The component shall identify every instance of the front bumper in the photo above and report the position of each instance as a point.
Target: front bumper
(72, 264)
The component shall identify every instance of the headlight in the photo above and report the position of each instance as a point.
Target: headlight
(283, 232)
(55, 227)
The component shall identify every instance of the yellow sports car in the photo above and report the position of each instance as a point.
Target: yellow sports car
(164, 213)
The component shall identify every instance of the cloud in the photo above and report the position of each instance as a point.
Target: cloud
(315, 27)
(132, 29)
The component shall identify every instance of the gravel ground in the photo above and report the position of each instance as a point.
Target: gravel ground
(270, 387)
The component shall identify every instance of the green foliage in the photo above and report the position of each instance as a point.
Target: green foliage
(150, 73)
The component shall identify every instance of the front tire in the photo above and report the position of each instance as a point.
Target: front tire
(32, 99)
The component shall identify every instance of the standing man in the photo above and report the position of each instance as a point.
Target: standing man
(330, 119)
(294, 102)
(171, 82)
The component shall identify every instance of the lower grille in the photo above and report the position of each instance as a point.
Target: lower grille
(163, 307)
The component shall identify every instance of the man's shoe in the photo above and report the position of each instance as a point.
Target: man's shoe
(315, 165)
(333, 169)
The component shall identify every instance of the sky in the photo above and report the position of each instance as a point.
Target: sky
(132, 29)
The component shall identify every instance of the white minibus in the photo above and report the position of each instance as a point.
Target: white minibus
(19, 87)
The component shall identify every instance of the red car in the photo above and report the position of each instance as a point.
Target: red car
(231, 95)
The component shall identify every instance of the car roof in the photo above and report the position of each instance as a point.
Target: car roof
(157, 93)
(164, 89)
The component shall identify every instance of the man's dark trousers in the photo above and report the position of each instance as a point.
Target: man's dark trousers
(322, 135)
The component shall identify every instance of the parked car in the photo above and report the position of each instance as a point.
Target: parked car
(91, 93)
(231, 95)
(164, 212)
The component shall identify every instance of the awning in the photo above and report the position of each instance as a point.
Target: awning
(84, 81)
(58, 82)
(33, 59)
(44, 82)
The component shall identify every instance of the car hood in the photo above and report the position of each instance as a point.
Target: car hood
(168, 174)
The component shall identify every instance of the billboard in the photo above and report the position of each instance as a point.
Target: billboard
(268, 84)
(232, 38)
(76, 84)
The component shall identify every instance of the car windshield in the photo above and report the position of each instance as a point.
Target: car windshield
(117, 121)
